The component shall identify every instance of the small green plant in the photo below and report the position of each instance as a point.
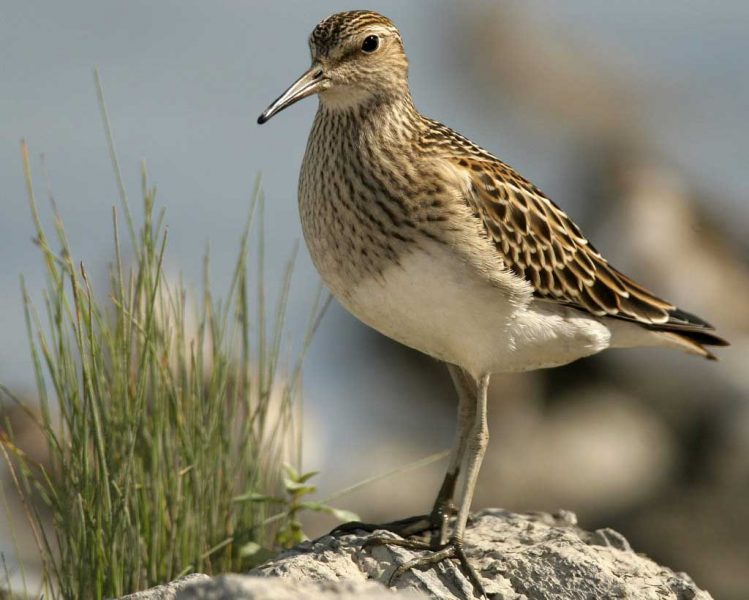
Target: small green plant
(297, 487)
(156, 412)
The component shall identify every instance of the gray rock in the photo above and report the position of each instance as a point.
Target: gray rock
(249, 587)
(168, 591)
(534, 556)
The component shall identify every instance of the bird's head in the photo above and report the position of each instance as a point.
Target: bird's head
(357, 58)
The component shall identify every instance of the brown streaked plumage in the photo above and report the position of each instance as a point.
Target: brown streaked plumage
(435, 242)
(541, 244)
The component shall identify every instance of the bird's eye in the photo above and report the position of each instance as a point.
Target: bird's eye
(370, 44)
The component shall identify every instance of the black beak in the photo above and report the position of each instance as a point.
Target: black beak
(311, 82)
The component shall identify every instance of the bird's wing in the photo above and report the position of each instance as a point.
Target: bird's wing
(540, 243)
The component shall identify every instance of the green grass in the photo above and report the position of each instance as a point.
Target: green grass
(167, 418)
(171, 423)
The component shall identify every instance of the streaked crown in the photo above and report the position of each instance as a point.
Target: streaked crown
(362, 55)
(346, 27)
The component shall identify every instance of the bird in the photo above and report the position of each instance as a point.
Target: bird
(438, 244)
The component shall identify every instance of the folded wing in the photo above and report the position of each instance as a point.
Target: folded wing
(540, 243)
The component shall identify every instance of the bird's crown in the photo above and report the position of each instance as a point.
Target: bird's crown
(344, 27)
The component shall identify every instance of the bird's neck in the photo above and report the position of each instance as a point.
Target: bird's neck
(392, 118)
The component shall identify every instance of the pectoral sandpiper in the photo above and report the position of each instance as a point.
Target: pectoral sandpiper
(438, 244)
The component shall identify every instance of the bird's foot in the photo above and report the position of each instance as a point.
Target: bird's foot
(452, 550)
(436, 523)
(407, 527)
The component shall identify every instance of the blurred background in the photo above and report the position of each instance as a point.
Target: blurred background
(631, 116)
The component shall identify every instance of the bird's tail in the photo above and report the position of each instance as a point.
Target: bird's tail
(689, 332)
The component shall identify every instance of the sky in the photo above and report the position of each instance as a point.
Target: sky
(185, 80)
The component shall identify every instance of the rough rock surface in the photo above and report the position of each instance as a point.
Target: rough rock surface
(168, 591)
(249, 587)
(534, 556)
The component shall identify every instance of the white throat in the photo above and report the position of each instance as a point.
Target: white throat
(343, 98)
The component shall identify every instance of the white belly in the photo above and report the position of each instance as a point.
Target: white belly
(435, 303)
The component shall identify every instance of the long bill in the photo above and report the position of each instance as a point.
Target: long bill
(311, 82)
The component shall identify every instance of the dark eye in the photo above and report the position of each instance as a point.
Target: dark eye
(370, 44)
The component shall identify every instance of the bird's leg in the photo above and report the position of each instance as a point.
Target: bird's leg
(478, 439)
(443, 507)
(437, 521)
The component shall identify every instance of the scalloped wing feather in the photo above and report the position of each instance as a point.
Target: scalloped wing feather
(540, 243)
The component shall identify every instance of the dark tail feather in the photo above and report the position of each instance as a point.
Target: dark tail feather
(693, 330)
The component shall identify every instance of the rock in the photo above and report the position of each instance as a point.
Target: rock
(533, 556)
(249, 587)
(170, 590)
(254, 587)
